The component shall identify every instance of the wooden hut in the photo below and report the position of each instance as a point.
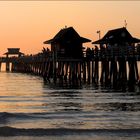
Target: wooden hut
(120, 44)
(13, 51)
(67, 43)
(67, 54)
(119, 36)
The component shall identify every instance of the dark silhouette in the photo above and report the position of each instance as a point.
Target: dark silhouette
(67, 63)
(118, 49)
(67, 43)
(14, 52)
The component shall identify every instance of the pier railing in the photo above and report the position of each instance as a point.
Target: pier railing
(88, 55)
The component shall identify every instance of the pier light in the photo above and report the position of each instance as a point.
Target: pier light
(99, 32)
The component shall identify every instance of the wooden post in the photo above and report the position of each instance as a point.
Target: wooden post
(54, 65)
(92, 72)
(136, 69)
(79, 71)
(70, 72)
(7, 66)
(84, 71)
(103, 70)
(88, 71)
(107, 82)
(131, 80)
(0, 66)
(122, 78)
(96, 69)
(66, 66)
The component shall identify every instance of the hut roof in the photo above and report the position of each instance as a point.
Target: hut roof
(117, 36)
(67, 34)
(13, 51)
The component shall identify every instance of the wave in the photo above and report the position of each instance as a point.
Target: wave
(4, 116)
(10, 131)
(10, 115)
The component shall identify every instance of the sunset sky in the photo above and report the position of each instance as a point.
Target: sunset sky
(26, 24)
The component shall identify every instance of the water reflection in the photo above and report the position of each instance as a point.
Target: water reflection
(65, 93)
(64, 100)
(55, 106)
(64, 85)
(118, 106)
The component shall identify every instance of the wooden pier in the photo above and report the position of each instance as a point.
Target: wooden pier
(113, 66)
(117, 72)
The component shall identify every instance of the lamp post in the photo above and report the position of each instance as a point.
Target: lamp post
(99, 32)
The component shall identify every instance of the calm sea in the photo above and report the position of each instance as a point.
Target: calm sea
(31, 109)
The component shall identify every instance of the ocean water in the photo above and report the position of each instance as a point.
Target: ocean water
(31, 109)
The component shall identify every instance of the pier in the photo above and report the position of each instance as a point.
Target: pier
(113, 63)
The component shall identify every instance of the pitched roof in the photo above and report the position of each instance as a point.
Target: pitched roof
(13, 51)
(117, 36)
(67, 34)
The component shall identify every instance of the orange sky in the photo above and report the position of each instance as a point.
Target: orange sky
(26, 24)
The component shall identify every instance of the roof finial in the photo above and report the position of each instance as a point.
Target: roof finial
(125, 24)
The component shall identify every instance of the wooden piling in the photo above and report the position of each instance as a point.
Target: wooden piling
(84, 71)
(7, 66)
(88, 71)
(0, 66)
(92, 72)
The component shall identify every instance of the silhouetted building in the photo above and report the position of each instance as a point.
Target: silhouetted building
(119, 42)
(13, 51)
(67, 43)
(119, 36)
